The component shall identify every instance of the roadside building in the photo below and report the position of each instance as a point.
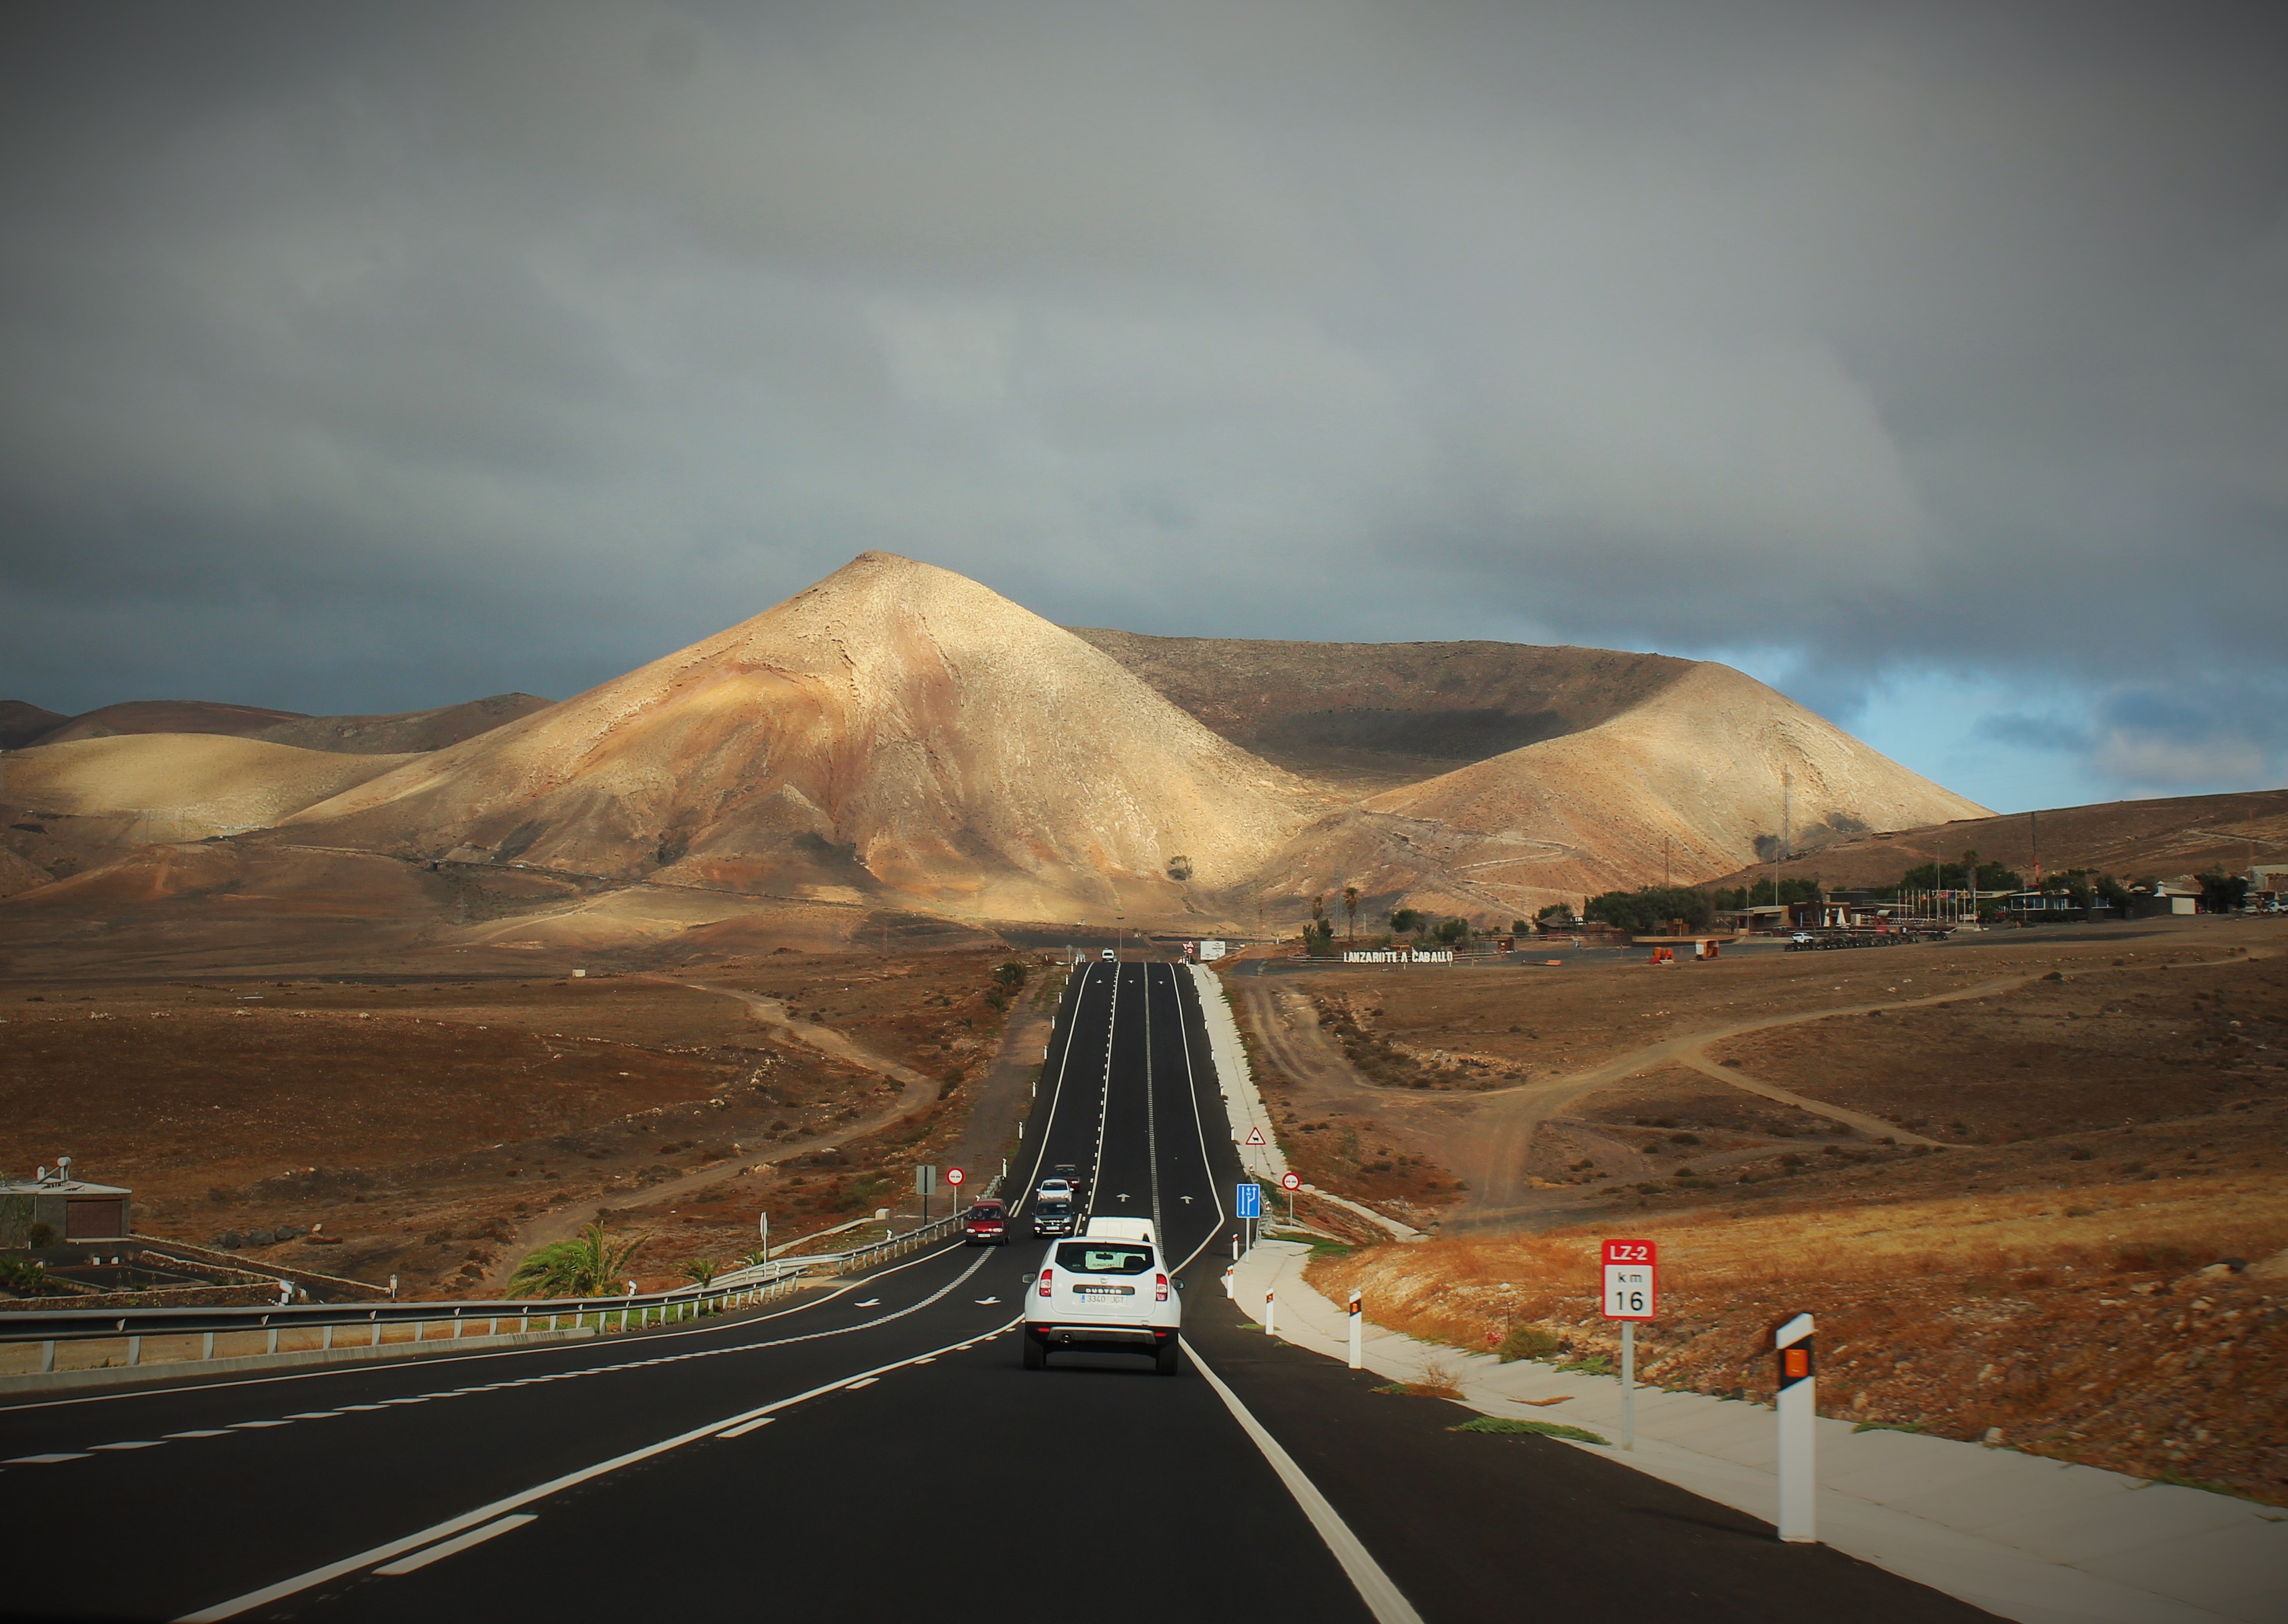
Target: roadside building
(56, 1207)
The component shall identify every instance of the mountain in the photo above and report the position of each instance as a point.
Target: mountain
(2130, 840)
(407, 730)
(22, 724)
(1691, 782)
(175, 786)
(168, 716)
(895, 728)
(1365, 717)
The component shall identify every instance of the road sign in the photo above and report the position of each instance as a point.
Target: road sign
(954, 1175)
(1247, 1201)
(1255, 1136)
(1291, 1181)
(1632, 1280)
(925, 1179)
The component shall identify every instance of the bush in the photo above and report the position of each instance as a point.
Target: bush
(1651, 910)
(1528, 1342)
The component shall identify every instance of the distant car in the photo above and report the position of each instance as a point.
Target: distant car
(1053, 1218)
(1107, 1291)
(1110, 956)
(1802, 935)
(986, 1225)
(1070, 1173)
(1055, 1189)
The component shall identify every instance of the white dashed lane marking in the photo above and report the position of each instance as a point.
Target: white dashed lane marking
(135, 1444)
(41, 1459)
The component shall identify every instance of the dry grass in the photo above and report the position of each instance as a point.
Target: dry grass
(2080, 1323)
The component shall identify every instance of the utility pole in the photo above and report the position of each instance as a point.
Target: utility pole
(2034, 833)
(1664, 862)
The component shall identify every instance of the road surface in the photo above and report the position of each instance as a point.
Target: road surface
(877, 1451)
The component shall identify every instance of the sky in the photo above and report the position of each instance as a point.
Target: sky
(1929, 362)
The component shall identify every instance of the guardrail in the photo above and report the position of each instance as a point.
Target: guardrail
(189, 1335)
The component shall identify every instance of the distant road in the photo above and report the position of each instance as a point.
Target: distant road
(877, 1451)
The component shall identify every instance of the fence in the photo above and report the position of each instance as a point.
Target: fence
(186, 1335)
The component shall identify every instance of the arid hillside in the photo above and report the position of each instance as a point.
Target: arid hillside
(22, 724)
(1692, 782)
(177, 786)
(896, 729)
(1366, 717)
(2128, 839)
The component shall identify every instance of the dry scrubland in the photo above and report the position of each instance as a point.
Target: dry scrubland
(2109, 1114)
(426, 1129)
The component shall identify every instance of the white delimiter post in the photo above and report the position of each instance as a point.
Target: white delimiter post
(1270, 1313)
(1358, 1334)
(1798, 1415)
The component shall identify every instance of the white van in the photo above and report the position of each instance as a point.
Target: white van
(1105, 1291)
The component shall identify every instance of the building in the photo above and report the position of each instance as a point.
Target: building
(69, 1209)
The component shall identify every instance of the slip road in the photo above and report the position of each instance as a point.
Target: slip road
(878, 1449)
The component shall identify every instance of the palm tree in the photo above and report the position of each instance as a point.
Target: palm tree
(1350, 909)
(590, 1265)
(701, 1271)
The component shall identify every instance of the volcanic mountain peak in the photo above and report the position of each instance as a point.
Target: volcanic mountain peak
(895, 726)
(1705, 776)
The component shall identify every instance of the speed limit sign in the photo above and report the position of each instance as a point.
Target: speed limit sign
(1291, 1181)
(954, 1176)
(1632, 1280)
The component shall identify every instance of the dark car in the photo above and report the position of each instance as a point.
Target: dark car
(1053, 1218)
(986, 1225)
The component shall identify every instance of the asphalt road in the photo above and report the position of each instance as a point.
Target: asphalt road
(877, 1449)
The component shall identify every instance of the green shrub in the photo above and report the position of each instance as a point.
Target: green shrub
(1527, 1342)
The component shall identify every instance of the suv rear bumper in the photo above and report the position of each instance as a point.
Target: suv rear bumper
(1130, 1338)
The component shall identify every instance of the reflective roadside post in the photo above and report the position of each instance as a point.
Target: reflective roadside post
(1271, 1313)
(1358, 1333)
(1799, 1416)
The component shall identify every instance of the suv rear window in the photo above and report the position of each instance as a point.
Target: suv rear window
(1104, 1257)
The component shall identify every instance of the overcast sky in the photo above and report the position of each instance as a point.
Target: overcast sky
(1930, 361)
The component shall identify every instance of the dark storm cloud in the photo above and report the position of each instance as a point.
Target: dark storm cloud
(367, 357)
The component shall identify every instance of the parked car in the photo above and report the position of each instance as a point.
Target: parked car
(987, 1224)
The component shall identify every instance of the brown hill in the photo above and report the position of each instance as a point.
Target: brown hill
(21, 723)
(1686, 782)
(177, 786)
(1366, 717)
(406, 731)
(2128, 839)
(394, 734)
(168, 716)
(894, 729)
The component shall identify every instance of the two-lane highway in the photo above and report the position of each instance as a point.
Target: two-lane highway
(879, 1447)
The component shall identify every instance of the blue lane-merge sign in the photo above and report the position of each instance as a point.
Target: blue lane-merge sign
(1248, 1201)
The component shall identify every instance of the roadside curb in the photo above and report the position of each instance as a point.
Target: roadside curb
(2023, 1537)
(117, 1375)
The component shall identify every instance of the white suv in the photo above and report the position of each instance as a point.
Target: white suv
(1106, 1290)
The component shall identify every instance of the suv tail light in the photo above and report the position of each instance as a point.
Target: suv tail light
(1047, 1274)
(1160, 1287)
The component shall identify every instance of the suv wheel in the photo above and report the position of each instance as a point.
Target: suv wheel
(1037, 1352)
(1166, 1358)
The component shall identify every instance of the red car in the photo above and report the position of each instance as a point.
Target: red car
(986, 1225)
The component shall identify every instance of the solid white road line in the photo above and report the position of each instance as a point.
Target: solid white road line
(1373, 1585)
(744, 1428)
(482, 1514)
(438, 1553)
(433, 1361)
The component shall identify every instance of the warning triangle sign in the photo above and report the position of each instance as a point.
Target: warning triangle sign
(1255, 1136)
